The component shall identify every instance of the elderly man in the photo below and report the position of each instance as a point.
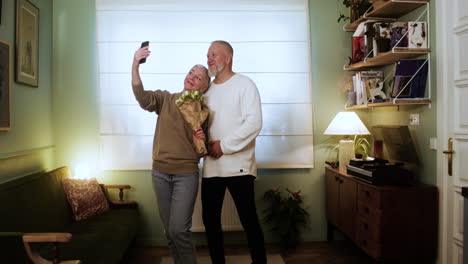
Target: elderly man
(235, 121)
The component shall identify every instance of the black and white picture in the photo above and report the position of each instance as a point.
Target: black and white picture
(27, 38)
(417, 36)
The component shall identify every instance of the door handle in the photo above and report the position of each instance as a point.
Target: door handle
(449, 154)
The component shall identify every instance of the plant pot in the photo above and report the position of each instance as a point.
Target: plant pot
(357, 9)
(351, 98)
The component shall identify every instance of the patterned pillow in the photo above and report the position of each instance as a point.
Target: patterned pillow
(86, 197)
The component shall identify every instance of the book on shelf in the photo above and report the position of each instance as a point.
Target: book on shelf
(368, 86)
(369, 34)
(358, 50)
(373, 37)
(358, 47)
(410, 78)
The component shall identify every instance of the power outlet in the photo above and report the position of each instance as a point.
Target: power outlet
(414, 119)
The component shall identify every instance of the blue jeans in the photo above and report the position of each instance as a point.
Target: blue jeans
(176, 195)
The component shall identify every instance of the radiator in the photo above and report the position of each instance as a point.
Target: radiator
(229, 217)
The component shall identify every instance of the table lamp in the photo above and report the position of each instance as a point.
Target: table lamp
(346, 124)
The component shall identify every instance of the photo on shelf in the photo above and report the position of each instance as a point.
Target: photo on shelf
(417, 36)
(381, 40)
(398, 36)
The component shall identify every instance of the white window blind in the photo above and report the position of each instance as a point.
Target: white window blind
(271, 45)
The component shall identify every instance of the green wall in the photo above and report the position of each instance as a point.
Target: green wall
(75, 85)
(422, 133)
(72, 124)
(29, 145)
(76, 113)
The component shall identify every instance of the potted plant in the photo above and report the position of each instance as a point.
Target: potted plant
(362, 147)
(357, 8)
(286, 216)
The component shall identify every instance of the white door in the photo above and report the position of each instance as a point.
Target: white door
(452, 122)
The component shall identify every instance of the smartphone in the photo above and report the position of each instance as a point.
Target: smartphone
(144, 44)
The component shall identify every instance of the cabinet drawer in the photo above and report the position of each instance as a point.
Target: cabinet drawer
(369, 196)
(369, 213)
(372, 248)
(368, 230)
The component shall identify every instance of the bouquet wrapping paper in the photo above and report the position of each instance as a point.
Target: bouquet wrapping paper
(195, 113)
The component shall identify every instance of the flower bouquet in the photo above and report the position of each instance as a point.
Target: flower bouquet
(193, 110)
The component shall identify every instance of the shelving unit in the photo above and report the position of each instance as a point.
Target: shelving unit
(387, 58)
(396, 102)
(390, 11)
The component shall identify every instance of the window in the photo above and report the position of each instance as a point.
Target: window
(271, 46)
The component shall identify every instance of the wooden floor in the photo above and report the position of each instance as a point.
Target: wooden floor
(338, 252)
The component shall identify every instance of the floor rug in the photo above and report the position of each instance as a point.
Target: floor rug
(235, 259)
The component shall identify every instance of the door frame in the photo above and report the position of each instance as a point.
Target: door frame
(444, 28)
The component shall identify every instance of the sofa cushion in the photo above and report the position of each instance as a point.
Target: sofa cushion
(86, 197)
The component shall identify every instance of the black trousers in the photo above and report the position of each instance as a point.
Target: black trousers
(242, 192)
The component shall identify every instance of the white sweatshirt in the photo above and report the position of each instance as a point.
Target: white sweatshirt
(236, 120)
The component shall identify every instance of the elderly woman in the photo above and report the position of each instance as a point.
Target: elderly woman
(175, 160)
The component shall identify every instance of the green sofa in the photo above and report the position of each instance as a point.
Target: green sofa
(34, 209)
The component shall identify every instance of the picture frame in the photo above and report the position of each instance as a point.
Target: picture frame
(5, 86)
(27, 43)
(1, 4)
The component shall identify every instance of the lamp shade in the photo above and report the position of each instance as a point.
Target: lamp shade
(346, 123)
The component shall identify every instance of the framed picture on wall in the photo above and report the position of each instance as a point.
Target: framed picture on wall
(5, 86)
(27, 40)
(1, 4)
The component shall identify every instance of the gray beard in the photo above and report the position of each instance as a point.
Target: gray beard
(216, 71)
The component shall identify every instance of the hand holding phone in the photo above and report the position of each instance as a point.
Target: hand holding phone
(144, 44)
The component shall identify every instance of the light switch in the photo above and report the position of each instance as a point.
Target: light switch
(433, 143)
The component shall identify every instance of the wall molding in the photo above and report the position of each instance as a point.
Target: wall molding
(25, 152)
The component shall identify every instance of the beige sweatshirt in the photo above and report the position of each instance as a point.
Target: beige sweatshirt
(173, 148)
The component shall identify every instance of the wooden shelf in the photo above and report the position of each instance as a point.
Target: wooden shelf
(391, 10)
(387, 58)
(390, 103)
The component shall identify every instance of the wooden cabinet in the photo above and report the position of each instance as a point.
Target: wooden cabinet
(389, 223)
(341, 203)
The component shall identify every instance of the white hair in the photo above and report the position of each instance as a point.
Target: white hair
(207, 74)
